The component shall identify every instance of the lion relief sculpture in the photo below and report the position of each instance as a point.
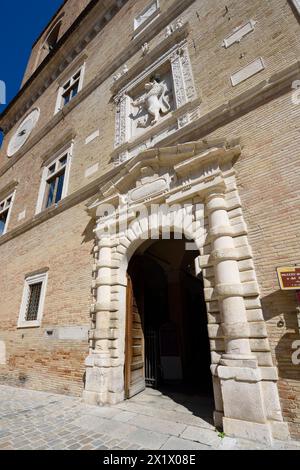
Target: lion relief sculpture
(155, 101)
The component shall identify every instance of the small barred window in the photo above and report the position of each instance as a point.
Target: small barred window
(33, 304)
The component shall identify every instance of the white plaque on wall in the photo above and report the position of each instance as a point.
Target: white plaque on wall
(238, 33)
(251, 69)
(146, 15)
(296, 4)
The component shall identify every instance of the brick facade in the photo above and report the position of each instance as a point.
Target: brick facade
(61, 239)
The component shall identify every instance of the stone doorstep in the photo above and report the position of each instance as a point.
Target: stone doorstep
(158, 425)
(203, 436)
(167, 415)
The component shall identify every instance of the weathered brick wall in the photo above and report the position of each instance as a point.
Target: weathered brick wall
(63, 245)
(268, 183)
(268, 178)
(69, 11)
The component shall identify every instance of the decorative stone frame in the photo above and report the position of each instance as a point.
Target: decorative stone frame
(30, 280)
(186, 103)
(244, 378)
(149, 17)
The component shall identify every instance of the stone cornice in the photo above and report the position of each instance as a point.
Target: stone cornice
(8, 188)
(64, 140)
(179, 159)
(278, 83)
(126, 174)
(147, 60)
(77, 197)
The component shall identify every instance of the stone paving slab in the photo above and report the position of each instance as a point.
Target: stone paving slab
(43, 421)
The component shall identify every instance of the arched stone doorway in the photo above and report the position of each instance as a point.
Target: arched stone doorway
(199, 179)
(167, 345)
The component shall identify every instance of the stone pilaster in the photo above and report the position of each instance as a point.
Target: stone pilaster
(238, 371)
(98, 363)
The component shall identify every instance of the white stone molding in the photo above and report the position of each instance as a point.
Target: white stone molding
(8, 188)
(67, 150)
(92, 137)
(239, 33)
(146, 17)
(244, 378)
(30, 280)
(127, 144)
(276, 83)
(2, 353)
(22, 215)
(296, 4)
(249, 71)
(91, 170)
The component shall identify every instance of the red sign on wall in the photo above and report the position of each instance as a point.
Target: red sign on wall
(289, 278)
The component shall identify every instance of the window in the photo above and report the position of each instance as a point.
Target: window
(5, 208)
(52, 37)
(70, 89)
(32, 306)
(54, 181)
(50, 40)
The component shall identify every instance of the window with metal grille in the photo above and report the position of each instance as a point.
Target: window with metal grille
(33, 303)
(33, 300)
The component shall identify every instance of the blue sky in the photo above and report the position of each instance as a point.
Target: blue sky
(21, 22)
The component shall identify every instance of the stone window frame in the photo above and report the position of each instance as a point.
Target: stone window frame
(29, 281)
(138, 28)
(66, 150)
(8, 209)
(81, 70)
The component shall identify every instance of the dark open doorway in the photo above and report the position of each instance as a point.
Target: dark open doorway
(169, 340)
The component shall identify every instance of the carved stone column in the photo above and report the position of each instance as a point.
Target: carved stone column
(228, 285)
(98, 362)
(238, 370)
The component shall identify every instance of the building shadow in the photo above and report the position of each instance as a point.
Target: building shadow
(280, 314)
(199, 403)
(88, 234)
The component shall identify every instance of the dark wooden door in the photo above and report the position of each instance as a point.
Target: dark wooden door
(134, 350)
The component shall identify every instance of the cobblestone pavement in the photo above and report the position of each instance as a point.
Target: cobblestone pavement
(40, 421)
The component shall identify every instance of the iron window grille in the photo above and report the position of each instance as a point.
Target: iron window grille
(33, 302)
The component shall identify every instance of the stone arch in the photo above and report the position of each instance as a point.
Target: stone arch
(50, 40)
(136, 240)
(246, 395)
